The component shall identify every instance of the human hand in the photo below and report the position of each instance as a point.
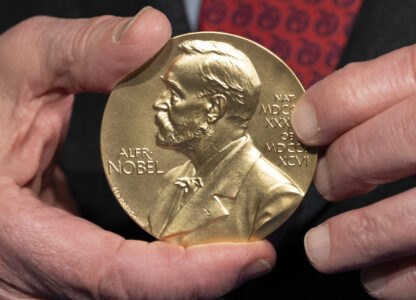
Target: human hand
(47, 252)
(365, 113)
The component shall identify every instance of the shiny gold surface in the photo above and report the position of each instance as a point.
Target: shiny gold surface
(197, 144)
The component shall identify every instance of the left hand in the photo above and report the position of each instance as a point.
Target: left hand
(47, 252)
(365, 113)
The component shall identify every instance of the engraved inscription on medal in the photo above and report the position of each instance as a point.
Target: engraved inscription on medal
(122, 201)
(278, 113)
(291, 152)
(134, 161)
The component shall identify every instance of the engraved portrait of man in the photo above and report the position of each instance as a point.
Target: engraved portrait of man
(226, 190)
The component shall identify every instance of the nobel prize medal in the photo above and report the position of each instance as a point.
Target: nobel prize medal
(197, 144)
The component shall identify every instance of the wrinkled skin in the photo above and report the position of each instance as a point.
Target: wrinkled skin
(365, 115)
(46, 252)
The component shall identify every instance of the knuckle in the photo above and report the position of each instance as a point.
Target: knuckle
(362, 234)
(351, 153)
(179, 264)
(348, 93)
(31, 28)
(412, 65)
(411, 278)
(79, 41)
(24, 33)
(109, 283)
(407, 127)
(33, 23)
(172, 276)
(404, 217)
(406, 279)
(352, 68)
(74, 47)
(400, 136)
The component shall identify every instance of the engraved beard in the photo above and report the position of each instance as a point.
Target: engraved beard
(182, 137)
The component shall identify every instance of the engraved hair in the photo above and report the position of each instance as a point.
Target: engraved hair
(229, 72)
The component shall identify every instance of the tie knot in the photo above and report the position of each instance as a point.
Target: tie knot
(189, 183)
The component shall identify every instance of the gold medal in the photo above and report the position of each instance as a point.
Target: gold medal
(197, 144)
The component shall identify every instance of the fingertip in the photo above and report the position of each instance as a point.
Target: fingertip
(122, 28)
(236, 262)
(373, 281)
(243, 253)
(107, 48)
(263, 249)
(394, 279)
(253, 270)
(137, 40)
(323, 179)
(261, 264)
(318, 246)
(150, 26)
(304, 120)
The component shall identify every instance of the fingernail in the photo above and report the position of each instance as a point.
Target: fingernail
(323, 178)
(121, 29)
(372, 281)
(304, 121)
(317, 244)
(256, 269)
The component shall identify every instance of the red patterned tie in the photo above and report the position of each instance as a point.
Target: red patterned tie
(309, 35)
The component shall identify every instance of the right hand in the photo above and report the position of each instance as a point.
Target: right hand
(365, 114)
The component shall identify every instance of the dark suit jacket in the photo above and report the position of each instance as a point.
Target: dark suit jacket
(243, 199)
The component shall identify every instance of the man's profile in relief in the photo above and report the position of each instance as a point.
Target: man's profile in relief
(227, 190)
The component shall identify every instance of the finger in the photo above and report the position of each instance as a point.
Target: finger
(354, 94)
(59, 256)
(380, 150)
(363, 237)
(80, 55)
(392, 280)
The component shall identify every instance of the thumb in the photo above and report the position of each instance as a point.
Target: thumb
(80, 55)
(161, 270)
